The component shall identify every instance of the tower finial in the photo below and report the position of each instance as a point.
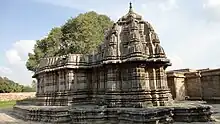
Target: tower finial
(130, 7)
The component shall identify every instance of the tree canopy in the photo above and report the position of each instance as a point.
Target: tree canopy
(81, 34)
(8, 86)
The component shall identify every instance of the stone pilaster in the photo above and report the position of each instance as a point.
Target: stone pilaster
(152, 78)
(45, 82)
(153, 86)
(56, 81)
(111, 86)
(70, 79)
(38, 85)
(147, 88)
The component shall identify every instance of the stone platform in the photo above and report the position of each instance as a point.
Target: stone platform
(82, 114)
(192, 112)
(52, 114)
(102, 115)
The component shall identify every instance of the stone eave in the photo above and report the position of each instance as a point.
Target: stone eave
(85, 66)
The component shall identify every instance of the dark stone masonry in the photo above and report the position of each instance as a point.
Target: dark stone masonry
(124, 82)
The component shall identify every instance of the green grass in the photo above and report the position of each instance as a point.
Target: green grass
(7, 104)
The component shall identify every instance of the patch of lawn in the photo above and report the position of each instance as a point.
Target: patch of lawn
(7, 104)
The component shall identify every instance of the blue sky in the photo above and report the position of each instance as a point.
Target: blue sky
(188, 30)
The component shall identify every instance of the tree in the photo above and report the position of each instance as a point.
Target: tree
(28, 89)
(46, 47)
(83, 33)
(78, 35)
(7, 86)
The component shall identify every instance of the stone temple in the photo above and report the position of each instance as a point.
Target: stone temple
(127, 70)
(120, 83)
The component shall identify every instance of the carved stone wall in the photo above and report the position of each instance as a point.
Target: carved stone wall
(210, 81)
(193, 85)
(177, 84)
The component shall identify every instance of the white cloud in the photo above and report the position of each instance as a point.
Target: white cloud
(212, 9)
(212, 3)
(19, 51)
(16, 56)
(13, 57)
(24, 46)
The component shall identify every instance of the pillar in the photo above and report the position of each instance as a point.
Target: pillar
(153, 86)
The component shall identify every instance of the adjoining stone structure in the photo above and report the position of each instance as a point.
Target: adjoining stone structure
(176, 84)
(124, 82)
(210, 84)
(200, 84)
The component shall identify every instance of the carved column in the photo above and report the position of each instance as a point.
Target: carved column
(101, 80)
(66, 79)
(38, 85)
(59, 80)
(159, 77)
(152, 77)
(45, 82)
(111, 79)
(147, 79)
(148, 96)
(70, 79)
(54, 82)
(111, 86)
(50, 83)
(42, 84)
(153, 86)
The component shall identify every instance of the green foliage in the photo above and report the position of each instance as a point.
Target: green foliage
(46, 47)
(8, 86)
(78, 35)
(7, 104)
(28, 89)
(83, 33)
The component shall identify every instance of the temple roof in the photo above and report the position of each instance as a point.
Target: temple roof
(131, 14)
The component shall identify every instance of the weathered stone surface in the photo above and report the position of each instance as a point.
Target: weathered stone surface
(192, 113)
(52, 114)
(177, 85)
(178, 112)
(200, 84)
